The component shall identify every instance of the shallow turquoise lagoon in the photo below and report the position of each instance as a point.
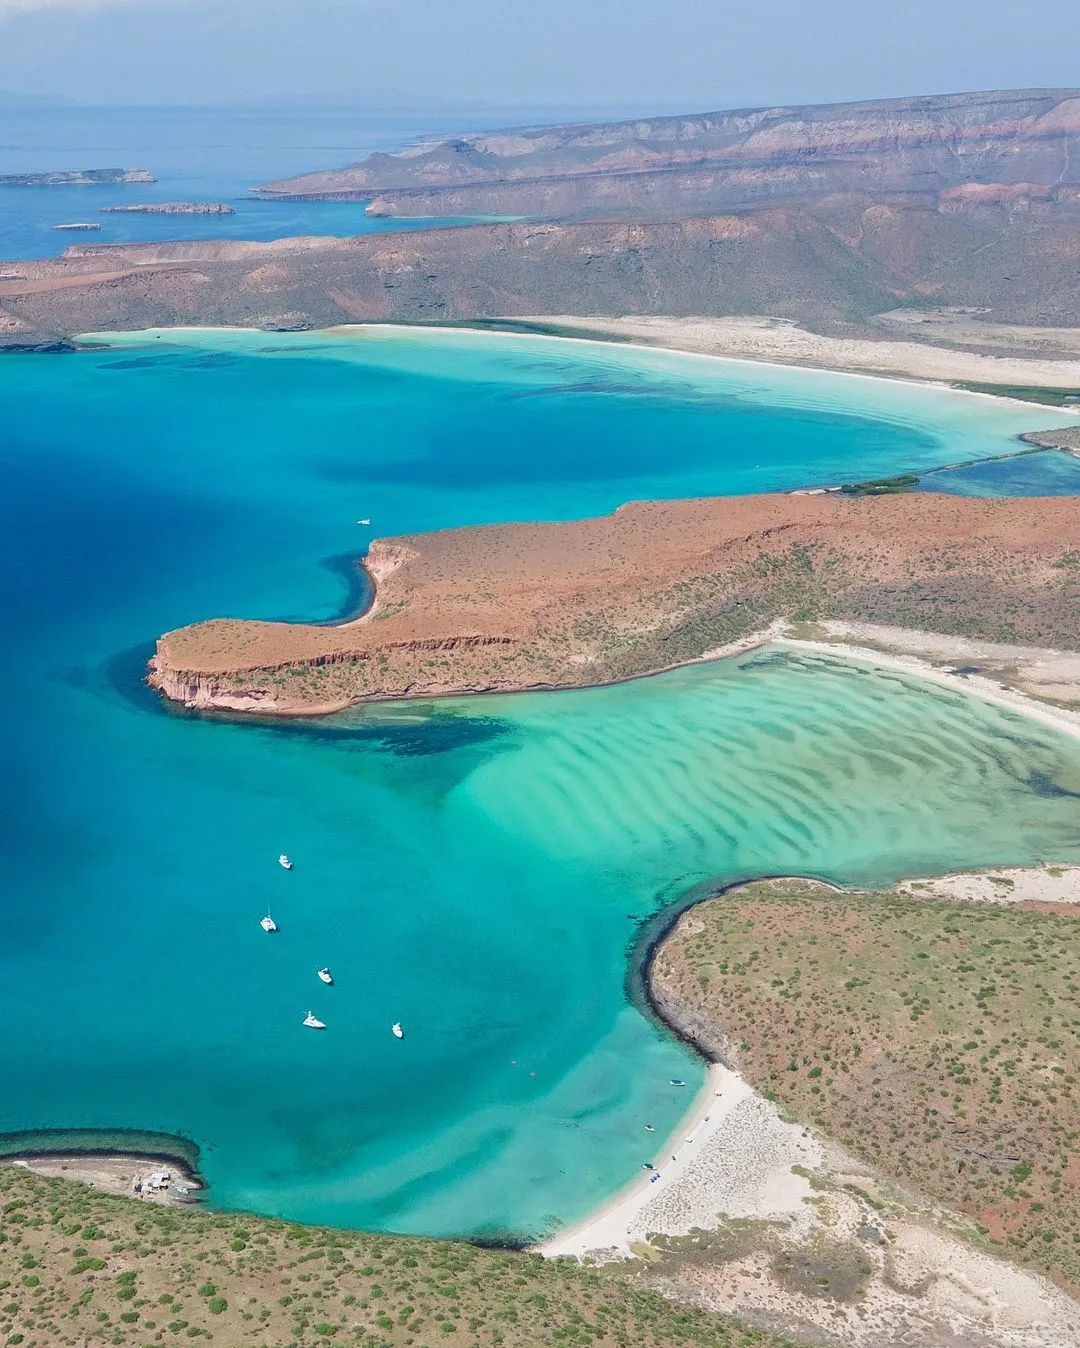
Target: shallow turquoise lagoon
(478, 869)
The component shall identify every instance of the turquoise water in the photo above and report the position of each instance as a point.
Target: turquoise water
(476, 869)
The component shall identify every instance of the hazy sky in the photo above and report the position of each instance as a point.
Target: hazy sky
(696, 54)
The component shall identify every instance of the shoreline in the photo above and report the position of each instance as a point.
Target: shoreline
(604, 1227)
(116, 1172)
(608, 1230)
(563, 331)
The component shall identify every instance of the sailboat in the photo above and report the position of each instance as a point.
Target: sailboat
(325, 975)
(397, 1031)
(284, 861)
(313, 1022)
(267, 923)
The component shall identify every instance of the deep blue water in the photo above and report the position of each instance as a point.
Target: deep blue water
(476, 869)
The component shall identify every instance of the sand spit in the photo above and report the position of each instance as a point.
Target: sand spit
(1040, 682)
(782, 341)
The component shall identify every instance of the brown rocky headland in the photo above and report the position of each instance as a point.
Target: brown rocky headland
(656, 584)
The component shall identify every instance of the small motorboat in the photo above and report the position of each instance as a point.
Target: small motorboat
(397, 1031)
(267, 923)
(325, 975)
(677, 1081)
(313, 1022)
(649, 1128)
(363, 521)
(284, 862)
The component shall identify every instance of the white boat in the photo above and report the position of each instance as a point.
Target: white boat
(284, 861)
(313, 1022)
(363, 521)
(325, 975)
(397, 1031)
(267, 923)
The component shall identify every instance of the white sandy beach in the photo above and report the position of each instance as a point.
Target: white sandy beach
(780, 341)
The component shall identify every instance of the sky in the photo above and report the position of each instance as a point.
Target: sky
(667, 54)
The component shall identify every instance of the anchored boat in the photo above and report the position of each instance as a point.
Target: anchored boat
(325, 975)
(313, 1022)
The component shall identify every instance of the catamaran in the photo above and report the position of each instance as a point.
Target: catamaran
(284, 861)
(326, 975)
(313, 1022)
(267, 923)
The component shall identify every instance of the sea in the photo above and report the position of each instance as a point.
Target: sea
(213, 154)
(484, 871)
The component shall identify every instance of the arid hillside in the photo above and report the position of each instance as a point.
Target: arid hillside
(556, 605)
(81, 1269)
(827, 216)
(935, 1040)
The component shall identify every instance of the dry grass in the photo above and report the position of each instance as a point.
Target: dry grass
(938, 1041)
(78, 1267)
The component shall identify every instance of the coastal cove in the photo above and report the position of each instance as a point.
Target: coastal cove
(444, 851)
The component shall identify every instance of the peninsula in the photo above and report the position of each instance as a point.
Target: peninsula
(656, 584)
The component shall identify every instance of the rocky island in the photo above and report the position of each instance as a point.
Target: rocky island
(656, 584)
(171, 208)
(103, 177)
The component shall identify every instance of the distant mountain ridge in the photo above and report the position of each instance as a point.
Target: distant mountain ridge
(721, 159)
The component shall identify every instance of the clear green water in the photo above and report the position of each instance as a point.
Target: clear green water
(477, 869)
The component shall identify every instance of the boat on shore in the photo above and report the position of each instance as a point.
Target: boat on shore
(312, 1021)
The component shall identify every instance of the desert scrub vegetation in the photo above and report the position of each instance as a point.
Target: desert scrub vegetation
(938, 1041)
(78, 1267)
